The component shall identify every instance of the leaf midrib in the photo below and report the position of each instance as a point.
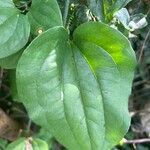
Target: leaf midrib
(82, 97)
(99, 83)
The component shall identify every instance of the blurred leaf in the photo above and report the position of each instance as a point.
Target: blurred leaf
(138, 21)
(14, 29)
(118, 4)
(44, 15)
(27, 144)
(105, 9)
(39, 144)
(141, 147)
(123, 16)
(3, 144)
(97, 8)
(17, 145)
(82, 14)
(45, 135)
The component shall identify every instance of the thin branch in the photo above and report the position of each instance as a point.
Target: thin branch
(143, 46)
(137, 141)
(148, 12)
(1, 77)
(29, 125)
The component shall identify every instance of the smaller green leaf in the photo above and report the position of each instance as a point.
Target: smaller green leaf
(44, 14)
(3, 144)
(104, 10)
(17, 145)
(113, 7)
(97, 8)
(28, 144)
(14, 29)
(45, 135)
(118, 4)
(11, 61)
(123, 16)
(39, 144)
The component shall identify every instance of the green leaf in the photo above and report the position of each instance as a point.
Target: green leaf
(46, 136)
(3, 144)
(27, 144)
(39, 144)
(115, 80)
(44, 14)
(97, 8)
(104, 9)
(11, 61)
(123, 16)
(118, 4)
(14, 29)
(80, 89)
(17, 145)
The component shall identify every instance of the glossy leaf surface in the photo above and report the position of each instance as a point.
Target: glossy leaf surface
(14, 29)
(74, 88)
(44, 14)
(112, 76)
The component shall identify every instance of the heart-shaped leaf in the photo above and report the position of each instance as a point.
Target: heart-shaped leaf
(44, 14)
(14, 29)
(79, 90)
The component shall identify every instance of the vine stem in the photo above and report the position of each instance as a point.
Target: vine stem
(29, 125)
(1, 76)
(137, 141)
(143, 47)
(66, 9)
